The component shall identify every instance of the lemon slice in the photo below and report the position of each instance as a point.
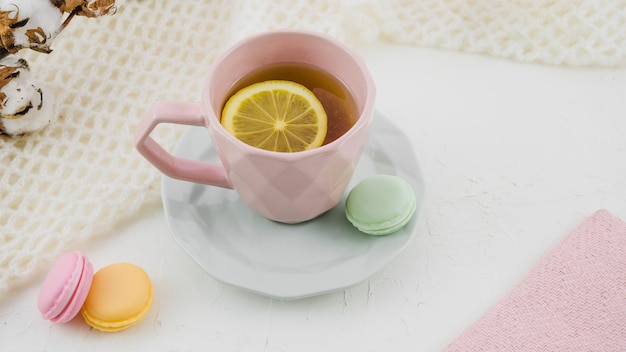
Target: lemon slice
(281, 116)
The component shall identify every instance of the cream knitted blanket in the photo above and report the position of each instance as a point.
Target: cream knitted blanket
(80, 176)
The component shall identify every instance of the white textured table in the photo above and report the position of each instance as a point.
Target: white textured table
(514, 156)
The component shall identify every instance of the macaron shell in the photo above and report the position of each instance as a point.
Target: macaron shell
(380, 204)
(392, 226)
(80, 294)
(120, 296)
(63, 290)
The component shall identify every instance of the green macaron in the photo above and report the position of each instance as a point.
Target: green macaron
(380, 204)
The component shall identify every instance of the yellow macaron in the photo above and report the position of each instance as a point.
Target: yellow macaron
(120, 296)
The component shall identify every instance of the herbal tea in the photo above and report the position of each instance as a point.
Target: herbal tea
(335, 98)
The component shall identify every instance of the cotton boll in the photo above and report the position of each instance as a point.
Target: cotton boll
(28, 24)
(97, 8)
(25, 104)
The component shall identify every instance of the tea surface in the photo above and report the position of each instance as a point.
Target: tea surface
(332, 93)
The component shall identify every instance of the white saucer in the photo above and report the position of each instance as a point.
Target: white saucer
(239, 247)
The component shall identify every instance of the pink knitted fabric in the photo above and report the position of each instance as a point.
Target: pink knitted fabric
(574, 300)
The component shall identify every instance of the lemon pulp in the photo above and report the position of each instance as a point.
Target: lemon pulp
(276, 115)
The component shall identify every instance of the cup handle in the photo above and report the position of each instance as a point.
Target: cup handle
(182, 113)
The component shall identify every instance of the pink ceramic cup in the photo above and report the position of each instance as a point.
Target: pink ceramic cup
(285, 187)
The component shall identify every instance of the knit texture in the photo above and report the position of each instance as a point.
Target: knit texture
(80, 176)
(574, 300)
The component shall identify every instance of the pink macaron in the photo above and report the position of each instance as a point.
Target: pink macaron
(65, 288)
